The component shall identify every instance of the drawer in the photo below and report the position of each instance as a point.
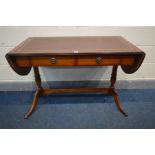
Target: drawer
(104, 60)
(46, 61)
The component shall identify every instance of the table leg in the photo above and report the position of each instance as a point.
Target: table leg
(38, 92)
(114, 92)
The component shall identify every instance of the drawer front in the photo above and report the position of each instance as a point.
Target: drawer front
(53, 61)
(46, 61)
(74, 61)
(104, 60)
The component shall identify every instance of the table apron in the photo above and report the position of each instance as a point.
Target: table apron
(27, 61)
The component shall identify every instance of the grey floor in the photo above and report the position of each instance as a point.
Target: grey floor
(82, 110)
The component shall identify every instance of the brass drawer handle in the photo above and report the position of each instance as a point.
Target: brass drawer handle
(53, 60)
(98, 60)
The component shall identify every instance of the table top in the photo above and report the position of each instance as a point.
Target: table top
(85, 45)
(75, 45)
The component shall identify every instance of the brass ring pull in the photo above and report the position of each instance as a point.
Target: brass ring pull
(53, 60)
(98, 60)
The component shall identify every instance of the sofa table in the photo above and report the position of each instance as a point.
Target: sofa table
(73, 52)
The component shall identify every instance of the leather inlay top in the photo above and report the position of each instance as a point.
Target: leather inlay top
(97, 46)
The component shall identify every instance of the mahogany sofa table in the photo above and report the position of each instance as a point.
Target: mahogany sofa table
(72, 52)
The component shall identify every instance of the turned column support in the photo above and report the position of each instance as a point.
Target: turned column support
(38, 80)
(113, 77)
